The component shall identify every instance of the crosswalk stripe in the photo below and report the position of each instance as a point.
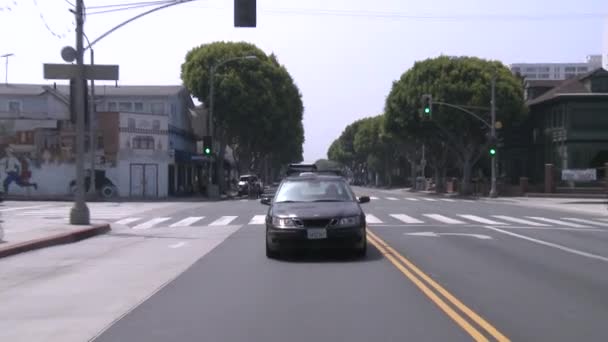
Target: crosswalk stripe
(447, 200)
(406, 218)
(430, 199)
(223, 221)
(151, 223)
(443, 219)
(258, 219)
(374, 198)
(392, 199)
(558, 222)
(520, 221)
(128, 220)
(369, 218)
(602, 224)
(411, 199)
(187, 221)
(28, 207)
(481, 220)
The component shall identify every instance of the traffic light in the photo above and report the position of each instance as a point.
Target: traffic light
(493, 147)
(245, 13)
(427, 107)
(207, 145)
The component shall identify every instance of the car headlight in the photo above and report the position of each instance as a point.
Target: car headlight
(281, 222)
(350, 221)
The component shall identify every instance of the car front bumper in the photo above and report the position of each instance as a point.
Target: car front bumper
(348, 237)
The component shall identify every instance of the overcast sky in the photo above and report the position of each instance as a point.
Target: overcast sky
(343, 54)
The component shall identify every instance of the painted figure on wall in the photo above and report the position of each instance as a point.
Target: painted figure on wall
(16, 170)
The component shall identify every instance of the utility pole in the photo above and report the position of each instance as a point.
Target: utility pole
(6, 56)
(493, 192)
(209, 124)
(92, 135)
(80, 212)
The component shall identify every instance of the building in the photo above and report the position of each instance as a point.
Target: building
(567, 126)
(145, 144)
(556, 71)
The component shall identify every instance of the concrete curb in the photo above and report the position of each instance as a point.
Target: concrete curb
(54, 240)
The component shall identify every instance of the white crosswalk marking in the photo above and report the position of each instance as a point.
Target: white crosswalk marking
(28, 207)
(406, 218)
(223, 221)
(187, 221)
(430, 199)
(258, 219)
(374, 198)
(481, 220)
(447, 200)
(411, 199)
(151, 223)
(369, 218)
(128, 220)
(443, 219)
(520, 221)
(602, 224)
(558, 222)
(392, 199)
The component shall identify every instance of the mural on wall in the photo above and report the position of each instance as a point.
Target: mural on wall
(16, 171)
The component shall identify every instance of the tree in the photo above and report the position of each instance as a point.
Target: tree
(257, 106)
(463, 81)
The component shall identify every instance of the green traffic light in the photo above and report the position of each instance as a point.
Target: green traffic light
(492, 151)
(427, 110)
(207, 150)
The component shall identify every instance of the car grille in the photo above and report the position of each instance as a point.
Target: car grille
(311, 223)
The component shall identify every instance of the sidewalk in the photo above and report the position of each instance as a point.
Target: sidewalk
(18, 234)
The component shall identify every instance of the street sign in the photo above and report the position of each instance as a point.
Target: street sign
(579, 175)
(92, 72)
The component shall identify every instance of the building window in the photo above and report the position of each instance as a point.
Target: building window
(99, 142)
(143, 143)
(14, 107)
(157, 108)
(131, 123)
(530, 69)
(139, 107)
(156, 125)
(543, 76)
(569, 69)
(112, 107)
(173, 110)
(568, 76)
(125, 106)
(582, 69)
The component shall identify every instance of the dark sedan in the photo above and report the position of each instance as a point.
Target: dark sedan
(318, 211)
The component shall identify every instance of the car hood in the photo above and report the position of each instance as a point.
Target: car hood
(316, 210)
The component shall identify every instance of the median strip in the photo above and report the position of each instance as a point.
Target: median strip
(425, 283)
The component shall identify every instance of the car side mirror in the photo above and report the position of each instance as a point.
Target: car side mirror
(265, 200)
(364, 199)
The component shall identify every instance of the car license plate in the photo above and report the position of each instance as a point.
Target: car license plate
(316, 234)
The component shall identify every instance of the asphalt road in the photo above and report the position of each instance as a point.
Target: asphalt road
(438, 269)
(531, 280)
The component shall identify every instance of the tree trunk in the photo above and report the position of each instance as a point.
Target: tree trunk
(221, 181)
(413, 172)
(467, 167)
(440, 179)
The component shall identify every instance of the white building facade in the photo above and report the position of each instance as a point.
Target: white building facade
(556, 71)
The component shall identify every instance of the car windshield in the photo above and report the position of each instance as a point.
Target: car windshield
(314, 191)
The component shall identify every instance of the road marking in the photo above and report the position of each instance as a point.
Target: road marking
(443, 219)
(31, 207)
(128, 220)
(411, 199)
(481, 220)
(602, 224)
(369, 218)
(446, 199)
(223, 221)
(187, 221)
(551, 244)
(430, 199)
(520, 221)
(177, 245)
(560, 228)
(558, 222)
(433, 234)
(408, 269)
(258, 219)
(151, 223)
(406, 218)
(374, 198)
(392, 199)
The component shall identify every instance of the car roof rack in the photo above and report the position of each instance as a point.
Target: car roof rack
(309, 169)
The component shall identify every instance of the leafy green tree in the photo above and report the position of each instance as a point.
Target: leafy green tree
(257, 106)
(463, 81)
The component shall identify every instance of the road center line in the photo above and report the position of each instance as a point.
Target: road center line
(551, 244)
(404, 265)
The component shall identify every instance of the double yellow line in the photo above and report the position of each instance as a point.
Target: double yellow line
(426, 284)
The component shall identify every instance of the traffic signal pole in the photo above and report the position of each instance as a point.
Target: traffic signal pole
(493, 192)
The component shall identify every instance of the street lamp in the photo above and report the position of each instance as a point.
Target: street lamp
(6, 56)
(212, 71)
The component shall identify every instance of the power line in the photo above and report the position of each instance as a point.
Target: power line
(47, 26)
(147, 3)
(143, 5)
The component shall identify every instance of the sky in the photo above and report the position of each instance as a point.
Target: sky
(344, 55)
